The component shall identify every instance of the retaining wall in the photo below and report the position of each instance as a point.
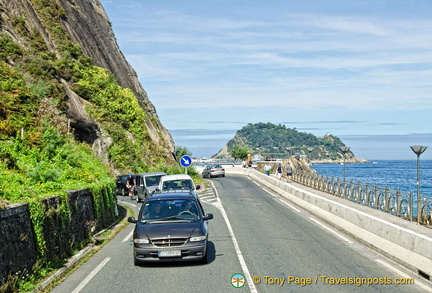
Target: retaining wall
(61, 232)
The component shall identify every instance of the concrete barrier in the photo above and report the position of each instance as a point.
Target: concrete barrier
(405, 242)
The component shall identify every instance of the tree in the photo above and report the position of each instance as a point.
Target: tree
(239, 152)
(181, 151)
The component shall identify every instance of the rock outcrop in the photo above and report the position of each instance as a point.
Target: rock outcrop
(86, 24)
(89, 25)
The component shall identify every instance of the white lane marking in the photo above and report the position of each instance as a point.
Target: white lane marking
(90, 276)
(403, 275)
(128, 203)
(269, 192)
(256, 183)
(330, 230)
(290, 206)
(206, 197)
(127, 237)
(236, 246)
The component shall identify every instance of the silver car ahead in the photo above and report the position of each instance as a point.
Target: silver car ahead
(213, 171)
(146, 183)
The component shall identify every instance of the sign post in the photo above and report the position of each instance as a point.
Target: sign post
(186, 161)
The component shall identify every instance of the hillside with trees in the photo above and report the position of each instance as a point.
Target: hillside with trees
(277, 141)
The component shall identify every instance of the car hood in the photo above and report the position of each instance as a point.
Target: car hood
(165, 230)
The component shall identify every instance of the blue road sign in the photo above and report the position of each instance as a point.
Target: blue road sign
(185, 161)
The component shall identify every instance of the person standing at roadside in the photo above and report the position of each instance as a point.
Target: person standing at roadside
(279, 172)
(130, 184)
(267, 169)
(289, 171)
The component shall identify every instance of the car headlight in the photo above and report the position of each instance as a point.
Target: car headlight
(141, 241)
(197, 238)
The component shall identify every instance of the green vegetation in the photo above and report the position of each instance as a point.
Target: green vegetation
(40, 154)
(239, 152)
(38, 148)
(279, 141)
(181, 151)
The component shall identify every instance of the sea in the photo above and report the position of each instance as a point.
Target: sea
(395, 174)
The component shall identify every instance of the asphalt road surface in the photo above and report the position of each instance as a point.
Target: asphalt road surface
(258, 242)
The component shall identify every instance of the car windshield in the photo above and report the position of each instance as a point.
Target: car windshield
(177, 184)
(170, 210)
(153, 180)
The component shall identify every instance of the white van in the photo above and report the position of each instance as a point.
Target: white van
(176, 182)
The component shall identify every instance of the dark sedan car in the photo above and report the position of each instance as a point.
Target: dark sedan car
(121, 185)
(171, 226)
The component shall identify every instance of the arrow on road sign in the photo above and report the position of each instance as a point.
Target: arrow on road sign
(185, 161)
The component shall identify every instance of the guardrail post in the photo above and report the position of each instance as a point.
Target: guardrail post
(350, 189)
(326, 182)
(398, 202)
(419, 210)
(386, 199)
(338, 185)
(367, 194)
(376, 199)
(411, 206)
(358, 191)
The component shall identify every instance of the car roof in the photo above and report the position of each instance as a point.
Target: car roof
(151, 174)
(178, 194)
(175, 177)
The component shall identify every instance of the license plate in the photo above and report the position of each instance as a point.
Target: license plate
(169, 253)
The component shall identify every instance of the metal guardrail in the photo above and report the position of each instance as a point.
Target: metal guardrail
(395, 202)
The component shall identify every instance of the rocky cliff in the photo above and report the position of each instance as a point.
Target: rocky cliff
(62, 36)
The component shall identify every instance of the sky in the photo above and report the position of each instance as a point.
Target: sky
(360, 70)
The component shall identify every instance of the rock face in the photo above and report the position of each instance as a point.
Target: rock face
(87, 24)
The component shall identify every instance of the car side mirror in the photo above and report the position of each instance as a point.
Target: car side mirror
(208, 217)
(132, 220)
(198, 186)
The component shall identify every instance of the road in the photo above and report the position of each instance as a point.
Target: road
(255, 233)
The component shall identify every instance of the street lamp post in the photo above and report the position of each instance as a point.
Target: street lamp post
(344, 150)
(418, 150)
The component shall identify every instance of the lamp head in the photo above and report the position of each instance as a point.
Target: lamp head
(418, 149)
